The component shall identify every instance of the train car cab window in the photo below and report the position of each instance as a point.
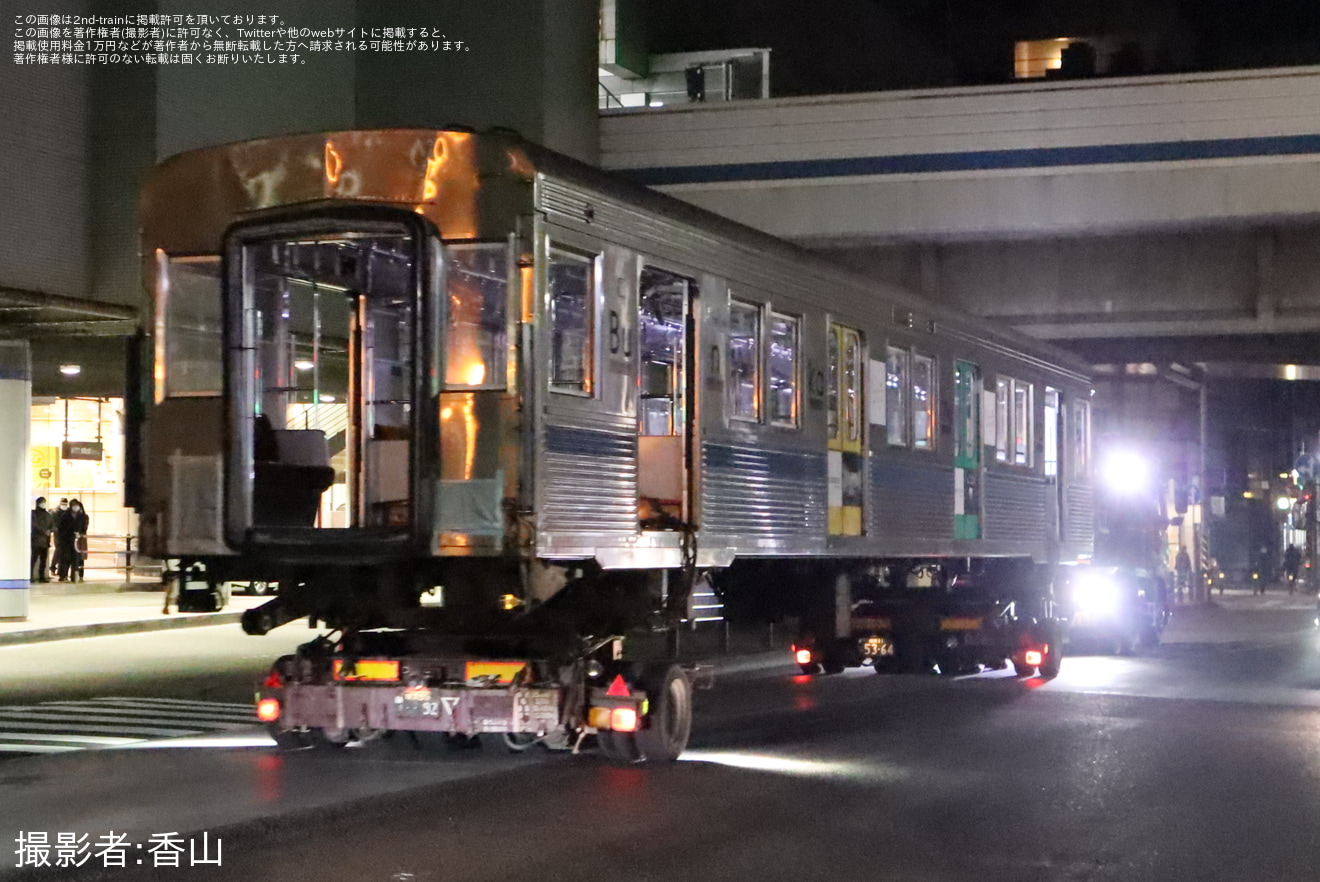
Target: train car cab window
(1022, 427)
(783, 370)
(923, 402)
(897, 378)
(189, 359)
(744, 361)
(476, 331)
(1081, 439)
(570, 284)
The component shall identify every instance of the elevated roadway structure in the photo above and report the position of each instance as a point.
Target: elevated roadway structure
(1143, 219)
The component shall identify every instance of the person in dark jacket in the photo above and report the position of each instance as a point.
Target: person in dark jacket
(57, 514)
(43, 522)
(70, 528)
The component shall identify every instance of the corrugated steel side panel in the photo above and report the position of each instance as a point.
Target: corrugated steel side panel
(911, 501)
(1015, 508)
(1079, 518)
(762, 493)
(589, 481)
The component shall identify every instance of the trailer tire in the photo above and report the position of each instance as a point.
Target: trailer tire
(668, 725)
(619, 747)
(1049, 665)
(508, 742)
(329, 739)
(1022, 669)
(289, 739)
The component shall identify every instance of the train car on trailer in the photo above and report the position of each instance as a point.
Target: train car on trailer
(489, 415)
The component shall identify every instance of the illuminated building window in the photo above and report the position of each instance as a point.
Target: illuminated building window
(1033, 59)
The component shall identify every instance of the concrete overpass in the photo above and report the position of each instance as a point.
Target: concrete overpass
(1162, 218)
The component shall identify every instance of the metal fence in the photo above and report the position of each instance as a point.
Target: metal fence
(112, 557)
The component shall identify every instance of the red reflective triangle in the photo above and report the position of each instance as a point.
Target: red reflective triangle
(618, 687)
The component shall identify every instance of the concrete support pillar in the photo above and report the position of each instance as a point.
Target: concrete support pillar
(15, 479)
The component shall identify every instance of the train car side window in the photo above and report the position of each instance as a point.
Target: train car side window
(1051, 429)
(189, 357)
(476, 333)
(744, 361)
(853, 362)
(1022, 425)
(832, 393)
(1081, 439)
(783, 370)
(897, 378)
(923, 402)
(1003, 416)
(570, 289)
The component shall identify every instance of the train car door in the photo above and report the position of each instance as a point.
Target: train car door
(1054, 443)
(665, 328)
(966, 451)
(847, 439)
(323, 334)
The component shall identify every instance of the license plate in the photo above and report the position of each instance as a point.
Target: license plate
(419, 701)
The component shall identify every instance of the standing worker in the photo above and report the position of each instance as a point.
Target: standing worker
(57, 516)
(1183, 566)
(71, 528)
(42, 524)
(1292, 564)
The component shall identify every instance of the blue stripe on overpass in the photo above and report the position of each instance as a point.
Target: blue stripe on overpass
(977, 160)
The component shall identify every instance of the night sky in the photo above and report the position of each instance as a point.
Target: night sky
(827, 46)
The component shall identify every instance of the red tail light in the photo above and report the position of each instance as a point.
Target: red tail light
(1033, 657)
(268, 710)
(623, 719)
(803, 656)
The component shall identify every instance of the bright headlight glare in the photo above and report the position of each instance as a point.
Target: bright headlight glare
(1096, 594)
(1125, 472)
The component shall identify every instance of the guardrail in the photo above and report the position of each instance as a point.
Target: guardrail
(111, 556)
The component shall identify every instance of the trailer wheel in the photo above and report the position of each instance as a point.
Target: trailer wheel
(1022, 669)
(509, 742)
(619, 747)
(1049, 665)
(331, 739)
(667, 727)
(289, 739)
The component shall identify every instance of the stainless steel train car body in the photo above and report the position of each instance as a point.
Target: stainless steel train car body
(552, 456)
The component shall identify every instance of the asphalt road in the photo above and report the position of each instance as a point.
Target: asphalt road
(1198, 761)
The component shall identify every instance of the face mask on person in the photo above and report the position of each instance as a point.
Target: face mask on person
(77, 508)
(64, 506)
(41, 505)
